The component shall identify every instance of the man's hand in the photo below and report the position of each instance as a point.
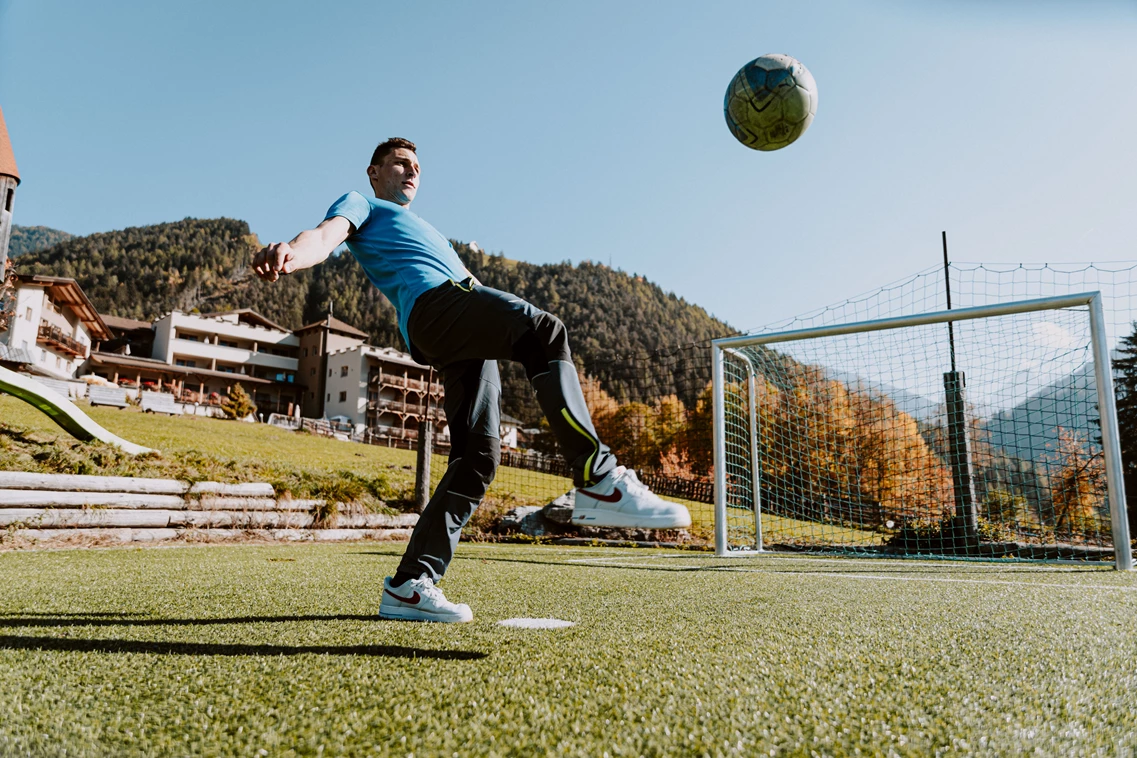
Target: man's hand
(307, 249)
(274, 260)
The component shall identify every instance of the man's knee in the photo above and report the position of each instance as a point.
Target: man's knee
(477, 467)
(544, 342)
(553, 336)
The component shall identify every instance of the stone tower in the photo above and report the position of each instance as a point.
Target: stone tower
(9, 178)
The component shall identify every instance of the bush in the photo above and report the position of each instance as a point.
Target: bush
(238, 404)
(948, 536)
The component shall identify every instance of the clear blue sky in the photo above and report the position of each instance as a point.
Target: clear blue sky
(594, 130)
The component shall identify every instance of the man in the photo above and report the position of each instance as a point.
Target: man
(462, 328)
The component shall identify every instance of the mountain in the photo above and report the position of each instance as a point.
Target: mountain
(144, 272)
(916, 406)
(28, 239)
(203, 264)
(1030, 429)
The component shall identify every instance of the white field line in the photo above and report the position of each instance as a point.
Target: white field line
(972, 566)
(1047, 585)
(626, 562)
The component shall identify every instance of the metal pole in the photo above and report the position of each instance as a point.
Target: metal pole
(959, 454)
(755, 461)
(947, 288)
(721, 547)
(1110, 437)
(424, 452)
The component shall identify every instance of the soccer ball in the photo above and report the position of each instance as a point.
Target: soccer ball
(770, 102)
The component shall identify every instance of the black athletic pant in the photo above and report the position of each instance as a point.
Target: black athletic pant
(463, 329)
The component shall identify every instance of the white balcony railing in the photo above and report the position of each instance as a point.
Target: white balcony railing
(209, 352)
(242, 331)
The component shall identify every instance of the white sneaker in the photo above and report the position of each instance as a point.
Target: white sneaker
(620, 500)
(420, 600)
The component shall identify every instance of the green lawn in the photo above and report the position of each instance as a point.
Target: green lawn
(232, 451)
(235, 650)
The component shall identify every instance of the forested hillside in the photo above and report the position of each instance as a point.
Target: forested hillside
(27, 239)
(203, 264)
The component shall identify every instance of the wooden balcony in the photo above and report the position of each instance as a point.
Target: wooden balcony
(53, 337)
(405, 383)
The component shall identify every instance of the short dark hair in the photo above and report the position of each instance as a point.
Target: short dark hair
(390, 146)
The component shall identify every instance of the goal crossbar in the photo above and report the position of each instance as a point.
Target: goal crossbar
(1102, 376)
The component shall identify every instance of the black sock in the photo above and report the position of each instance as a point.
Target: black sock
(401, 578)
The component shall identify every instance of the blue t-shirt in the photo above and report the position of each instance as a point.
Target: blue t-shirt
(401, 254)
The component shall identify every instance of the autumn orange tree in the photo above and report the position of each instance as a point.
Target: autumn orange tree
(1077, 487)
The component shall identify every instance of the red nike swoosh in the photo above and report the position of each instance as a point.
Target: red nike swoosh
(613, 498)
(413, 600)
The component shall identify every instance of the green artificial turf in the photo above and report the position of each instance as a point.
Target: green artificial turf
(236, 650)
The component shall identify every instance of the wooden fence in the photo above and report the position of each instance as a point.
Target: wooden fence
(697, 490)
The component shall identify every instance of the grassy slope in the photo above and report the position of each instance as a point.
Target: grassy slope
(229, 650)
(235, 451)
(245, 446)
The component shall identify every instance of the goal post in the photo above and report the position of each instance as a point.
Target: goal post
(863, 437)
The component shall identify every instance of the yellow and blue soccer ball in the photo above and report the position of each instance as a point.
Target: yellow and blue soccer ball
(770, 102)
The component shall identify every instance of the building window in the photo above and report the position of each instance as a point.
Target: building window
(8, 200)
(228, 344)
(28, 314)
(187, 364)
(343, 370)
(312, 372)
(329, 372)
(329, 398)
(305, 352)
(42, 356)
(343, 397)
(58, 362)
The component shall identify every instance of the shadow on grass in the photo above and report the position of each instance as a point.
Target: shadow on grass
(202, 648)
(92, 614)
(79, 619)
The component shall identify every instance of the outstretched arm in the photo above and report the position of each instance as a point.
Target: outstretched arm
(306, 250)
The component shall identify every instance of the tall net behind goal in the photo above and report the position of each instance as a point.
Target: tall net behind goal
(652, 402)
(970, 433)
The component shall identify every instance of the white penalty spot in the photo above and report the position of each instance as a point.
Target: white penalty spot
(537, 623)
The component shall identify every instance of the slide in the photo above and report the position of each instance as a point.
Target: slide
(62, 411)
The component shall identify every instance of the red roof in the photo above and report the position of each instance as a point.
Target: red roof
(7, 158)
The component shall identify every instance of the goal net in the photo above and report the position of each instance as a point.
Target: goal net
(986, 432)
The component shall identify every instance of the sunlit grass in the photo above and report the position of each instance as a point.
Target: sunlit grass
(236, 451)
(239, 650)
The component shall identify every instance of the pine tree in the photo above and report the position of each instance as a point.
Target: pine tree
(1125, 376)
(238, 404)
(1125, 389)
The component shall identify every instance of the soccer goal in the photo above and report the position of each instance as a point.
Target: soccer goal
(987, 432)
